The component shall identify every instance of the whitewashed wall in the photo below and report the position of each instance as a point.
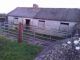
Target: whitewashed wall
(56, 24)
(10, 19)
(50, 25)
(34, 22)
(16, 21)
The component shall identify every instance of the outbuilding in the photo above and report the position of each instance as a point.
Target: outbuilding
(48, 19)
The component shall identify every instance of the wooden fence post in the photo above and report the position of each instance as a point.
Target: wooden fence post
(20, 32)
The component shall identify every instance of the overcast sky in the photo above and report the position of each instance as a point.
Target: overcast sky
(8, 5)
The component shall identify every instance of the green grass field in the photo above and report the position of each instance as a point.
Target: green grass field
(11, 50)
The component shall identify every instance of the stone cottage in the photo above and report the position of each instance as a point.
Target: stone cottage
(59, 20)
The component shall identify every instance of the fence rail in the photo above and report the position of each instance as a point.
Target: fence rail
(30, 32)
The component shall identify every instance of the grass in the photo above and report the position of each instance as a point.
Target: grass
(11, 50)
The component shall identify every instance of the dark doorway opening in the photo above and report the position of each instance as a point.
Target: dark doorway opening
(28, 22)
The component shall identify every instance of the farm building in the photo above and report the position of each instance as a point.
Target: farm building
(50, 19)
(3, 19)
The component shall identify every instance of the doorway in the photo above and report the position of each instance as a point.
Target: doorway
(28, 22)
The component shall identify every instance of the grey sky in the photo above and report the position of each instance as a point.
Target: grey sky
(8, 5)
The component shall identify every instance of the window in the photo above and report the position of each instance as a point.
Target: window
(64, 27)
(41, 23)
(15, 20)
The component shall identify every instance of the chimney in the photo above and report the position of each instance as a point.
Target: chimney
(35, 6)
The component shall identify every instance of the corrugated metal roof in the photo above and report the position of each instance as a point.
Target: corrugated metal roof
(59, 14)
